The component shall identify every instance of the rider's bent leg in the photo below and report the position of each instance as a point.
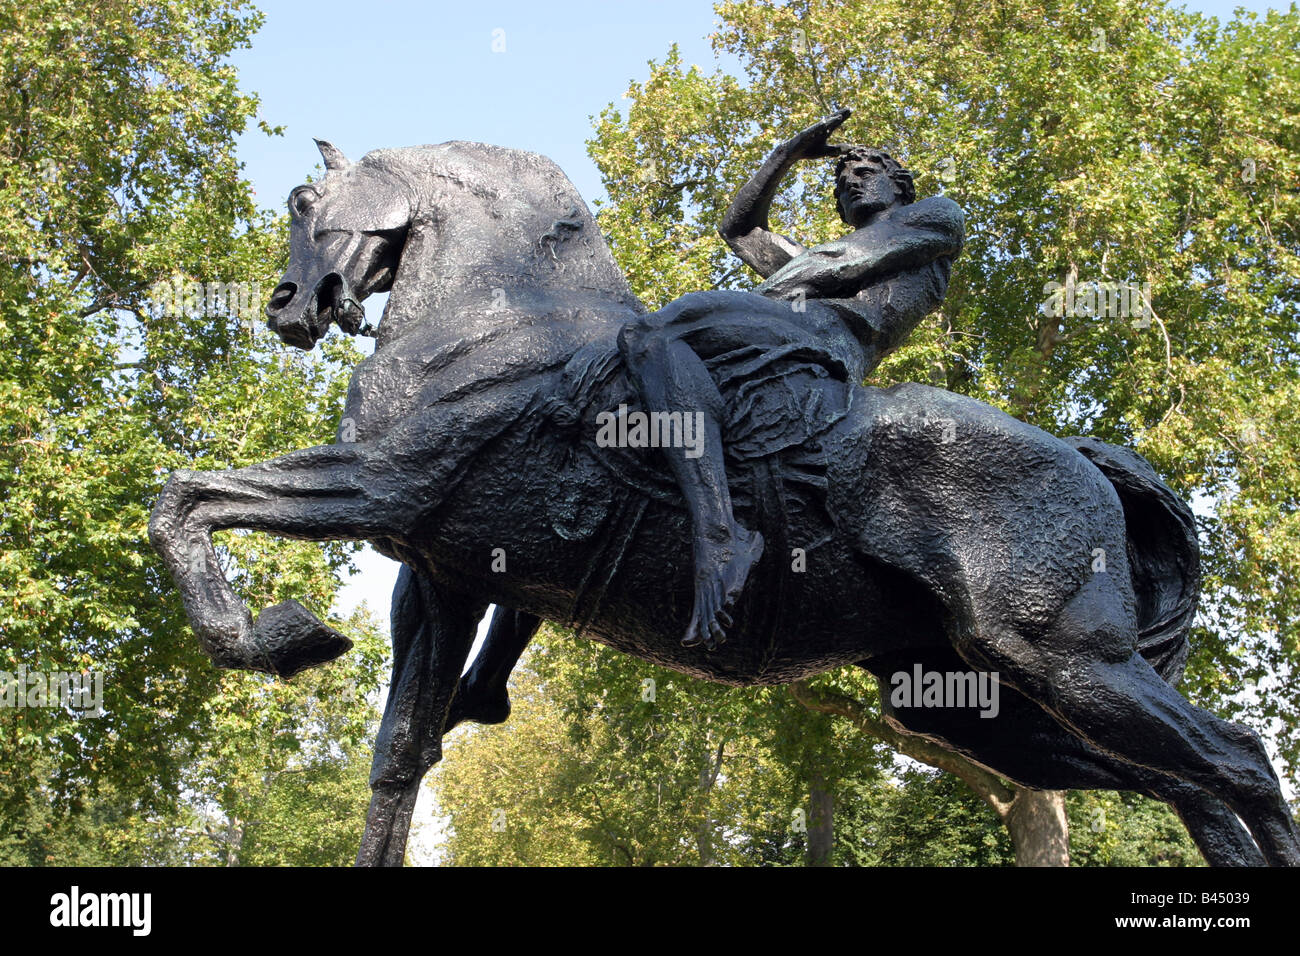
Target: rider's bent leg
(671, 377)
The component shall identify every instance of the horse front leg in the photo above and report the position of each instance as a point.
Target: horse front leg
(433, 630)
(482, 695)
(329, 492)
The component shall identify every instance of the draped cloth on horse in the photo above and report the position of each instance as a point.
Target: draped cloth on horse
(782, 391)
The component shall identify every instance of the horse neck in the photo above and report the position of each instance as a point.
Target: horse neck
(505, 246)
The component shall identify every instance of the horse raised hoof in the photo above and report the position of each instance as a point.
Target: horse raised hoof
(292, 639)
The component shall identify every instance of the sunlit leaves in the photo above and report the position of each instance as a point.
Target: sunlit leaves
(117, 172)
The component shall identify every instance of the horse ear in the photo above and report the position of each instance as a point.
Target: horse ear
(333, 156)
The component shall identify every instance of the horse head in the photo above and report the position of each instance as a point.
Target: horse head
(442, 227)
(345, 238)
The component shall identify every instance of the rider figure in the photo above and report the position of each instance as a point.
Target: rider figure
(848, 302)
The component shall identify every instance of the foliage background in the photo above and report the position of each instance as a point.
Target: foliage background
(119, 124)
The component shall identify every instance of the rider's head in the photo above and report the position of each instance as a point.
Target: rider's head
(868, 180)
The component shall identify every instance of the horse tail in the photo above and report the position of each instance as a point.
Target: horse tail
(1163, 553)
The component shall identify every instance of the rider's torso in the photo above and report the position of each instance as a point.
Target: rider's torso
(858, 330)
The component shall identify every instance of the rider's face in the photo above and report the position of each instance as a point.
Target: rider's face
(865, 189)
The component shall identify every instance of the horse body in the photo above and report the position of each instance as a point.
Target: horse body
(919, 526)
(912, 541)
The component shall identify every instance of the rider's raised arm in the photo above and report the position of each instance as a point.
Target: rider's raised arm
(745, 225)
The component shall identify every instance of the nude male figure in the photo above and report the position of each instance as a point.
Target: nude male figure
(844, 305)
(847, 303)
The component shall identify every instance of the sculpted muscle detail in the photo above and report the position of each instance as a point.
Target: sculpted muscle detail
(902, 239)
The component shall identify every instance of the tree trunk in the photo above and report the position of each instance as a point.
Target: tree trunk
(821, 822)
(234, 840)
(704, 827)
(704, 841)
(1035, 819)
(1038, 827)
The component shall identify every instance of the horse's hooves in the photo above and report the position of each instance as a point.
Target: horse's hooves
(481, 708)
(293, 639)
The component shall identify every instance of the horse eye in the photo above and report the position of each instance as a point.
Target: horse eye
(301, 201)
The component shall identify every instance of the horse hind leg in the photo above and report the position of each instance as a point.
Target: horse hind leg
(432, 631)
(1086, 672)
(1031, 748)
(1214, 828)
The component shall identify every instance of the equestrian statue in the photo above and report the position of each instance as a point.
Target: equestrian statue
(709, 487)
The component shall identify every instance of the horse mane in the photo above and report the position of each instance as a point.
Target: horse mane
(534, 198)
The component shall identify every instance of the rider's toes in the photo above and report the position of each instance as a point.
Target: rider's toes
(717, 633)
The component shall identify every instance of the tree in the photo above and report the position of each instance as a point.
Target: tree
(288, 770)
(610, 760)
(508, 791)
(281, 777)
(1125, 143)
(607, 760)
(133, 265)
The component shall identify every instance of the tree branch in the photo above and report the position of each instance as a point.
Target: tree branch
(987, 786)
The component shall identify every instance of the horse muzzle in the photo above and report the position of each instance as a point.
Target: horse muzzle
(301, 315)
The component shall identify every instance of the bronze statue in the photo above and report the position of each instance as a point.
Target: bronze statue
(928, 530)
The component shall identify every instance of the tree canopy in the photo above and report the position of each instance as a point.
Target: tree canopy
(134, 267)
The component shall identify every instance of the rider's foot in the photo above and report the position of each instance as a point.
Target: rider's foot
(721, 571)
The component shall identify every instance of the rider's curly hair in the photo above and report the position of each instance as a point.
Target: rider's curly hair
(901, 177)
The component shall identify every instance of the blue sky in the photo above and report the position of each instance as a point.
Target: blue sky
(403, 72)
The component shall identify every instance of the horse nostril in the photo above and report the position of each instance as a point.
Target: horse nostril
(281, 297)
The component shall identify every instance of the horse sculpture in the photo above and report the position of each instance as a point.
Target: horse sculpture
(935, 530)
